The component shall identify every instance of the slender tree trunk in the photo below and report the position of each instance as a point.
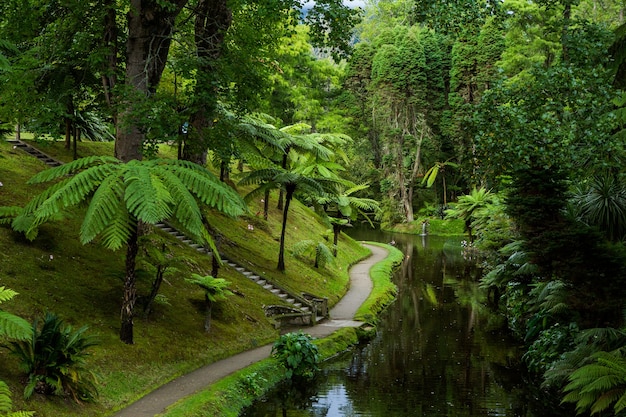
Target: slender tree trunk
(130, 290)
(156, 285)
(336, 232)
(207, 317)
(290, 189)
(68, 132)
(281, 195)
(18, 132)
(213, 18)
(266, 204)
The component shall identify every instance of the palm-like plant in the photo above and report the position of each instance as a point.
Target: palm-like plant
(123, 195)
(469, 205)
(348, 207)
(215, 289)
(55, 360)
(603, 204)
(321, 252)
(290, 183)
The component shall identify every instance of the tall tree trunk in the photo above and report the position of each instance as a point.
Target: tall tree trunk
(68, 132)
(109, 41)
(18, 132)
(266, 204)
(290, 189)
(150, 27)
(213, 18)
(130, 290)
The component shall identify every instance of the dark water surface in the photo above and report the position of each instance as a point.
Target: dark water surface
(438, 350)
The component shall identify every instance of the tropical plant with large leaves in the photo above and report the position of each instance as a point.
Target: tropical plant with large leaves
(346, 207)
(122, 196)
(469, 205)
(54, 359)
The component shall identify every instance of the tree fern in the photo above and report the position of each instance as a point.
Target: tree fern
(596, 386)
(123, 195)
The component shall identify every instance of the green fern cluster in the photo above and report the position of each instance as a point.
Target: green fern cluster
(54, 359)
(600, 385)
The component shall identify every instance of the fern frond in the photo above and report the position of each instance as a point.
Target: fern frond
(210, 190)
(300, 248)
(323, 254)
(14, 326)
(106, 205)
(5, 398)
(8, 213)
(6, 294)
(73, 191)
(70, 168)
(145, 196)
(261, 175)
(118, 231)
(186, 209)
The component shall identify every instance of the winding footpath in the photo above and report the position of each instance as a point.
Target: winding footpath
(341, 315)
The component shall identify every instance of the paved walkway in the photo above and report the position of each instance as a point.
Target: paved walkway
(341, 315)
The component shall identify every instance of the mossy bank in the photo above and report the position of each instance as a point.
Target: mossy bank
(231, 395)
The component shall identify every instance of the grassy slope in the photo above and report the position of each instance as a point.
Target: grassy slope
(83, 285)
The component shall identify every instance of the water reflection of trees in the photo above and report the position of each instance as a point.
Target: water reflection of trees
(438, 351)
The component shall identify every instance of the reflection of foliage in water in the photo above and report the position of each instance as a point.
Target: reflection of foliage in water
(438, 350)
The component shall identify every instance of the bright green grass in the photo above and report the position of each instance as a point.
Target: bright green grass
(83, 284)
(436, 226)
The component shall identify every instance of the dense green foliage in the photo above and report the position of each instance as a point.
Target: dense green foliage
(297, 353)
(55, 360)
(507, 115)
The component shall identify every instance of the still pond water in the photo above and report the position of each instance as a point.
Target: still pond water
(438, 350)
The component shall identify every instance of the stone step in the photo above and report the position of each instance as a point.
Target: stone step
(283, 295)
(261, 282)
(268, 287)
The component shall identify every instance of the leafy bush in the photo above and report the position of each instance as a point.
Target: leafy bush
(550, 346)
(297, 353)
(55, 360)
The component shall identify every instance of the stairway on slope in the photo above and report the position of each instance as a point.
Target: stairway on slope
(46, 159)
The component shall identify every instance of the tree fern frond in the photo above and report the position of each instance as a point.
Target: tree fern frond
(73, 191)
(301, 248)
(145, 196)
(118, 231)
(210, 190)
(186, 209)
(605, 400)
(106, 205)
(5, 398)
(6, 294)
(8, 213)
(323, 254)
(14, 326)
(261, 175)
(54, 173)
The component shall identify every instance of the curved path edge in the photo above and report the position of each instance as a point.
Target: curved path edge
(341, 315)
